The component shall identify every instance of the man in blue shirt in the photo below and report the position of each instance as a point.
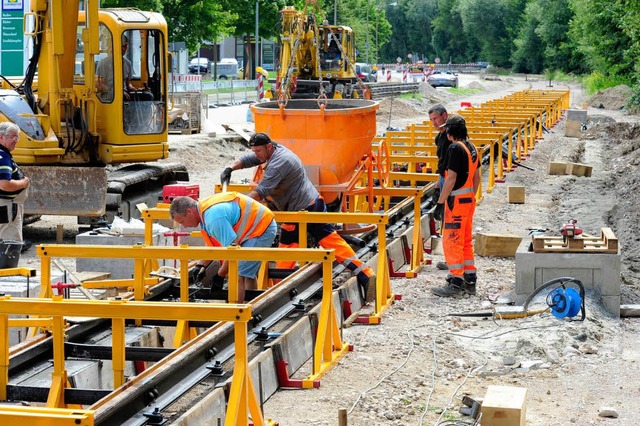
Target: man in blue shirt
(13, 185)
(226, 219)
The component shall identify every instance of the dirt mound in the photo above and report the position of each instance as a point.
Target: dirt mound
(398, 109)
(613, 98)
(429, 92)
(474, 85)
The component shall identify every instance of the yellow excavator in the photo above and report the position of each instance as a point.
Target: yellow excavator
(315, 60)
(94, 97)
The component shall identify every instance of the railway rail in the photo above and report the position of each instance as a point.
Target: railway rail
(183, 373)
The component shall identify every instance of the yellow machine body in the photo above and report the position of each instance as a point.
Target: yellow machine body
(310, 52)
(65, 114)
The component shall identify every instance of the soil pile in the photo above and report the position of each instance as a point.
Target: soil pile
(613, 98)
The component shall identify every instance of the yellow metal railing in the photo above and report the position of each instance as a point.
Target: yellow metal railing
(242, 399)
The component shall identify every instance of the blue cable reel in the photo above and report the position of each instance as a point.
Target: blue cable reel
(564, 302)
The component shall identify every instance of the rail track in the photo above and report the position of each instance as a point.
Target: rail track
(201, 365)
(181, 376)
(389, 90)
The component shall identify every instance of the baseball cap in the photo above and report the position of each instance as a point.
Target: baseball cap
(453, 120)
(258, 139)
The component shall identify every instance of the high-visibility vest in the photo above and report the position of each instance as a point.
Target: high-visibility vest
(473, 165)
(255, 218)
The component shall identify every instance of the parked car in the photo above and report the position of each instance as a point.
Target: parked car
(443, 79)
(199, 66)
(226, 69)
(365, 72)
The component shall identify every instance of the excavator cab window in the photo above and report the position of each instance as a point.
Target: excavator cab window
(144, 111)
(104, 66)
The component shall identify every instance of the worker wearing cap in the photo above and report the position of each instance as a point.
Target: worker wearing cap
(285, 185)
(228, 219)
(456, 205)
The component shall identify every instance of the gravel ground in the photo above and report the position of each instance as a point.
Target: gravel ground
(414, 368)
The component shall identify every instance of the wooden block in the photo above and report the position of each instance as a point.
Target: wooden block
(502, 245)
(504, 406)
(556, 168)
(577, 169)
(59, 234)
(515, 194)
(610, 238)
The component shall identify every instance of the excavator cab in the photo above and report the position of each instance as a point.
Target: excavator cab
(130, 84)
(97, 86)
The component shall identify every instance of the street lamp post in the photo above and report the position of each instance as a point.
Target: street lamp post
(256, 62)
(366, 55)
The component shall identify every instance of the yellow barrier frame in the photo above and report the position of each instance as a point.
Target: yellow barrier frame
(43, 416)
(243, 400)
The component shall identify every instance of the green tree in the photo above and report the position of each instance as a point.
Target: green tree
(528, 55)
(191, 21)
(448, 39)
(597, 31)
(492, 23)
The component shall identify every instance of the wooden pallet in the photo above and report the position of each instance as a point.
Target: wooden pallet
(606, 243)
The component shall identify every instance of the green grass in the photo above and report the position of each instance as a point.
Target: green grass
(411, 96)
(498, 71)
(464, 91)
(598, 81)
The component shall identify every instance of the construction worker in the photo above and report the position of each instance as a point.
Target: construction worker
(438, 116)
(456, 205)
(225, 219)
(285, 185)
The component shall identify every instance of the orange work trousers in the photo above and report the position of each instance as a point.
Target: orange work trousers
(457, 235)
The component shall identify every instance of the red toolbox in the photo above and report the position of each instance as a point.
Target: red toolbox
(169, 192)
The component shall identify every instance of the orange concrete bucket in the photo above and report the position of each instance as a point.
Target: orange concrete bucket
(330, 137)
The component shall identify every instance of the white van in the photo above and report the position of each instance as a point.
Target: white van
(227, 68)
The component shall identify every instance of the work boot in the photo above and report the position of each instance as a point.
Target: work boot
(453, 288)
(470, 283)
(442, 266)
(367, 288)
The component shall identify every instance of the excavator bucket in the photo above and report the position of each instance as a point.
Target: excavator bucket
(75, 191)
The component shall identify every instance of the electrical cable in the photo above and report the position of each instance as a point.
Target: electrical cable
(406, 359)
(482, 336)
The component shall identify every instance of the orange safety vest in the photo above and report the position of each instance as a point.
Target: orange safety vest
(255, 218)
(473, 165)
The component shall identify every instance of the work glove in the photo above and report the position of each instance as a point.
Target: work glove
(436, 195)
(438, 212)
(217, 283)
(197, 274)
(225, 176)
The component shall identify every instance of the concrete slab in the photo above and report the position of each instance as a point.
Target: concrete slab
(599, 271)
(211, 410)
(264, 375)
(18, 286)
(90, 373)
(118, 268)
(296, 346)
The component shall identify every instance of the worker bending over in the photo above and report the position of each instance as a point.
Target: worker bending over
(228, 219)
(285, 185)
(457, 204)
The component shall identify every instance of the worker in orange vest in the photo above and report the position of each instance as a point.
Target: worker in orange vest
(225, 219)
(456, 205)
